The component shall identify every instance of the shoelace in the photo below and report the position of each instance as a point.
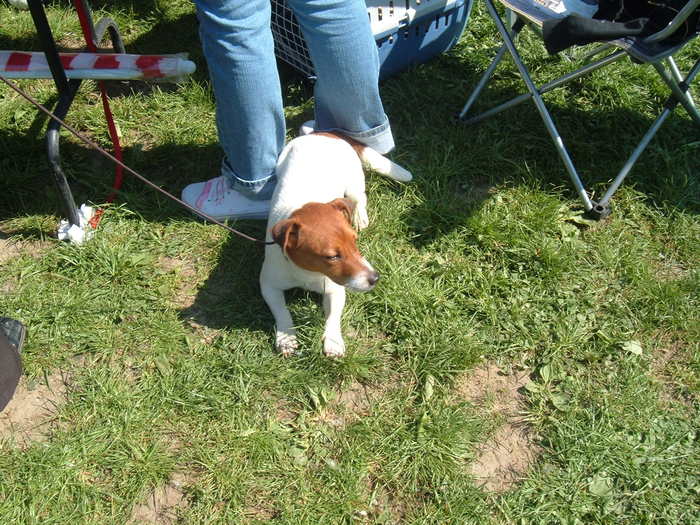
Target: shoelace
(221, 190)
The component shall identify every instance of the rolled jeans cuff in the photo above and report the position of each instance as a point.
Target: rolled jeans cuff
(257, 190)
(378, 138)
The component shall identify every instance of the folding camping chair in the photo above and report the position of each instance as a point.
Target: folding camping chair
(651, 49)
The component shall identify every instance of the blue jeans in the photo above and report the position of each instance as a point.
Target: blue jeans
(239, 49)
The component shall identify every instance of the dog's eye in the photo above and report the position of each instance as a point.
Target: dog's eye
(333, 257)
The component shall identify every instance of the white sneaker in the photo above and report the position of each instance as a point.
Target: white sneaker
(216, 198)
(307, 127)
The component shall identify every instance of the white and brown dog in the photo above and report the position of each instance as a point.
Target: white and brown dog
(320, 196)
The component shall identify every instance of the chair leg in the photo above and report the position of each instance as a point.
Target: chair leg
(482, 82)
(516, 26)
(670, 105)
(544, 113)
(634, 156)
(673, 67)
(595, 51)
(588, 68)
(680, 91)
(485, 78)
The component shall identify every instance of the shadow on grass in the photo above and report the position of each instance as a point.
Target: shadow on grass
(455, 165)
(230, 297)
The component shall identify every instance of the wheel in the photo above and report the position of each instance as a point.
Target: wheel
(108, 25)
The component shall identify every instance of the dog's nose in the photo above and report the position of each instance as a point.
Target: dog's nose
(373, 278)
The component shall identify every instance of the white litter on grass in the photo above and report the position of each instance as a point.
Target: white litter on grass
(74, 233)
(19, 4)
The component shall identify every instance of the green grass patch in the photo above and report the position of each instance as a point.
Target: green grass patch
(174, 391)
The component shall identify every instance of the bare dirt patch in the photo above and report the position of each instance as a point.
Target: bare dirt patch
(30, 415)
(474, 191)
(261, 508)
(669, 366)
(659, 370)
(510, 451)
(505, 458)
(344, 407)
(667, 268)
(9, 286)
(11, 247)
(349, 405)
(186, 275)
(284, 413)
(162, 504)
(9, 250)
(206, 334)
(71, 42)
(493, 388)
(383, 506)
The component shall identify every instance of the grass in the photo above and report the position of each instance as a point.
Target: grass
(167, 345)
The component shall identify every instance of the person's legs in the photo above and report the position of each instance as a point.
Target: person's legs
(346, 61)
(239, 49)
(238, 45)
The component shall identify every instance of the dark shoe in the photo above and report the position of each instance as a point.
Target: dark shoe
(14, 331)
(11, 338)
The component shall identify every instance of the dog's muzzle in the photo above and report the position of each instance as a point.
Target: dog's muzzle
(363, 282)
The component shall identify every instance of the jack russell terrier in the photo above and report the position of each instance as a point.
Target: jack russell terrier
(320, 196)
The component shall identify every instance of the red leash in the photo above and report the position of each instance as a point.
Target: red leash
(111, 126)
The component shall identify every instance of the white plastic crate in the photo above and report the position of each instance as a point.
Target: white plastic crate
(407, 32)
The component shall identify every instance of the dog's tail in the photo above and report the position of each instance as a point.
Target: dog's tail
(379, 163)
(373, 159)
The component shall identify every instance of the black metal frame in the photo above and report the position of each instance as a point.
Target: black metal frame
(67, 90)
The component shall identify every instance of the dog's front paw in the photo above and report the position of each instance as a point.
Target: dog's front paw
(333, 346)
(360, 218)
(287, 343)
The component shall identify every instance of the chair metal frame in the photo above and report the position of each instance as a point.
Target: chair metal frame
(670, 73)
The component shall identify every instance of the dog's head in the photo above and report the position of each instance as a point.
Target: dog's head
(319, 238)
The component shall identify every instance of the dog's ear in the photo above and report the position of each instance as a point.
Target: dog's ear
(344, 206)
(286, 234)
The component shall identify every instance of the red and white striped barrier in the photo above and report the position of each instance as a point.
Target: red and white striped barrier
(99, 66)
